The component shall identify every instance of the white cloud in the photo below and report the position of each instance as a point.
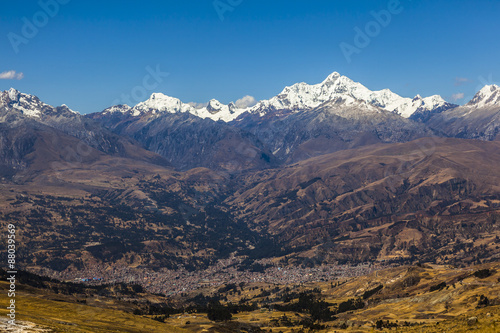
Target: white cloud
(460, 81)
(198, 105)
(246, 102)
(457, 96)
(11, 75)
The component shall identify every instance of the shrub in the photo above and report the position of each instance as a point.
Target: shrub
(218, 312)
(438, 286)
(483, 301)
(351, 304)
(370, 293)
(484, 273)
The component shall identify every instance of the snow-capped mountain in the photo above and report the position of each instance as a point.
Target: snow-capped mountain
(160, 103)
(24, 104)
(24, 112)
(19, 106)
(478, 119)
(298, 97)
(302, 96)
(302, 121)
(488, 96)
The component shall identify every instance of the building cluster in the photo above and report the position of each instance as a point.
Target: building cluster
(172, 282)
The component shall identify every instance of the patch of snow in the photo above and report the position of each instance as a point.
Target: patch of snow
(159, 102)
(13, 94)
(30, 112)
(123, 108)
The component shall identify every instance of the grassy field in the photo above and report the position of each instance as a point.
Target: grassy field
(63, 316)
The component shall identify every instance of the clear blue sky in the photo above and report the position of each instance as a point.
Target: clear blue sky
(92, 52)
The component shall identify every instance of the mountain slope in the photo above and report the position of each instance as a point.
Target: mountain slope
(333, 126)
(478, 119)
(188, 141)
(349, 195)
(106, 209)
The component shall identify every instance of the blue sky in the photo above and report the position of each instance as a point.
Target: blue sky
(92, 53)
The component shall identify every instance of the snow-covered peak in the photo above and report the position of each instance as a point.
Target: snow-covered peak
(433, 100)
(216, 110)
(421, 104)
(28, 105)
(159, 102)
(215, 106)
(489, 95)
(331, 78)
(25, 105)
(302, 96)
(68, 109)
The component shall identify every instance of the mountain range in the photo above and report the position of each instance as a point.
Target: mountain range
(301, 122)
(331, 172)
(298, 97)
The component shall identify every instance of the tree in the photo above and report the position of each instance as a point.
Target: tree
(218, 312)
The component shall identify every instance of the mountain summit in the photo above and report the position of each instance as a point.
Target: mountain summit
(302, 96)
(489, 95)
(23, 105)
